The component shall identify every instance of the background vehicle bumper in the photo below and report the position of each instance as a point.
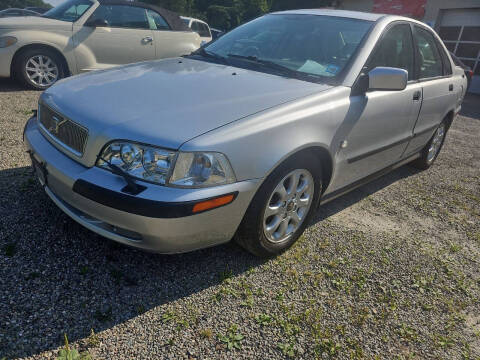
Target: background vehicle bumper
(158, 234)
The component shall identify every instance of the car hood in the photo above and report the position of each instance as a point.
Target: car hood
(33, 22)
(169, 102)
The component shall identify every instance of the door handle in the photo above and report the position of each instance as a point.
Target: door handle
(147, 39)
(450, 87)
(417, 95)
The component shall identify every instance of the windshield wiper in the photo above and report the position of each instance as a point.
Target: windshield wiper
(132, 187)
(274, 66)
(211, 55)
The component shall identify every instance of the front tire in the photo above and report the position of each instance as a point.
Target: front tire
(282, 207)
(38, 68)
(430, 152)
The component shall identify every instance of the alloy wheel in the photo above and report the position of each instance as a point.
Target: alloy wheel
(41, 70)
(436, 143)
(288, 205)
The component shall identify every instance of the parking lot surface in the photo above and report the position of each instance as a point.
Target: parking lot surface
(390, 270)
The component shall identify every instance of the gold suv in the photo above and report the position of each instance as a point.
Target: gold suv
(84, 35)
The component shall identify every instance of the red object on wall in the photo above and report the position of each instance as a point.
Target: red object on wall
(411, 8)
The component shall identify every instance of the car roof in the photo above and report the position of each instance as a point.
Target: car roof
(339, 13)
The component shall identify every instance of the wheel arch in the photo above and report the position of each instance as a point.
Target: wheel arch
(40, 46)
(449, 118)
(318, 152)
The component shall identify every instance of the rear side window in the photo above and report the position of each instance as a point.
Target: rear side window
(122, 16)
(156, 21)
(395, 49)
(195, 26)
(447, 65)
(430, 61)
(201, 29)
(204, 31)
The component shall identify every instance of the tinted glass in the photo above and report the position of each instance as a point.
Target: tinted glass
(311, 44)
(156, 21)
(395, 49)
(430, 62)
(122, 16)
(70, 10)
(447, 65)
(195, 26)
(204, 31)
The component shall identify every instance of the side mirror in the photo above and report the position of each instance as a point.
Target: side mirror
(97, 23)
(387, 78)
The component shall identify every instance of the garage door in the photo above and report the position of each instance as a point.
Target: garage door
(460, 30)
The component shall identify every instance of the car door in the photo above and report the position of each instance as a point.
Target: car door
(439, 92)
(381, 122)
(113, 35)
(169, 43)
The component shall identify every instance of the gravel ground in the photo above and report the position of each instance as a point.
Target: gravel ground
(387, 271)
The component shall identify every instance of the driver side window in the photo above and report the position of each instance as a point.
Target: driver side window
(122, 16)
(156, 21)
(430, 61)
(395, 49)
(76, 11)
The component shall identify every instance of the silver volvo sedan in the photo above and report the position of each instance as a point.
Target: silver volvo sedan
(247, 136)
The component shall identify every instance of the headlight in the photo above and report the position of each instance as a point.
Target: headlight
(140, 161)
(6, 41)
(166, 167)
(201, 169)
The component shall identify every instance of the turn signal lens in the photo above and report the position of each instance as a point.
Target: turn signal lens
(213, 203)
(7, 41)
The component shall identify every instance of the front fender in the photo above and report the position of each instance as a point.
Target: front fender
(256, 145)
(60, 41)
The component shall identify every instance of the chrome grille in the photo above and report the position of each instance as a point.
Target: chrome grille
(65, 131)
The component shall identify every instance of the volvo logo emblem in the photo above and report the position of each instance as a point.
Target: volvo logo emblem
(56, 123)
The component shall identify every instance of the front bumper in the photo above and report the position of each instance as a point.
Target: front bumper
(162, 230)
(6, 57)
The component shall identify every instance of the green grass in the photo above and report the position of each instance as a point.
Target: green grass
(232, 339)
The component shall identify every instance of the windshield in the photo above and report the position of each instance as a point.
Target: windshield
(70, 10)
(314, 45)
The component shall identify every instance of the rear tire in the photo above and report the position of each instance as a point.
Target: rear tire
(430, 152)
(282, 207)
(39, 68)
